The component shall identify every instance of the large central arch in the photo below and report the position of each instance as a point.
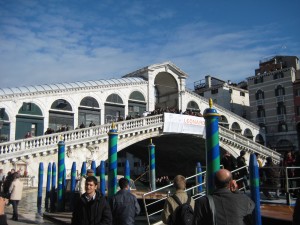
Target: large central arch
(166, 91)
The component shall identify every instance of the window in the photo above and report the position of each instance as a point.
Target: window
(260, 112)
(281, 109)
(259, 95)
(214, 91)
(259, 80)
(282, 127)
(242, 93)
(278, 75)
(279, 91)
(297, 92)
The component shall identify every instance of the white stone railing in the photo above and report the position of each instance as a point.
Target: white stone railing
(43, 144)
(221, 110)
(229, 136)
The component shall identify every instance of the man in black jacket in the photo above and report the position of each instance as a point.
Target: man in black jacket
(124, 205)
(91, 208)
(231, 207)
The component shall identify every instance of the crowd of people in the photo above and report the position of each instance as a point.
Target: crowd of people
(273, 178)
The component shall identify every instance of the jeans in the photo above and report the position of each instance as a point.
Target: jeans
(15, 204)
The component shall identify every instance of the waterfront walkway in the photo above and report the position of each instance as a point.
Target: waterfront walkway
(28, 211)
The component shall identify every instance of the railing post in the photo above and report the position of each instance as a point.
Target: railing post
(288, 195)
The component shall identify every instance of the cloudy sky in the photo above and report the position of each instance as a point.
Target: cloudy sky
(53, 41)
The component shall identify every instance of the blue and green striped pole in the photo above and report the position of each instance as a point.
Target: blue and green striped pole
(93, 167)
(40, 188)
(112, 161)
(199, 177)
(127, 171)
(53, 187)
(61, 176)
(83, 169)
(73, 185)
(151, 148)
(102, 178)
(212, 146)
(254, 187)
(48, 187)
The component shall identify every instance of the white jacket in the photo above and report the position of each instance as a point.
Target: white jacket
(16, 190)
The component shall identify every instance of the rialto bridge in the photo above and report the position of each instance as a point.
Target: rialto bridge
(72, 107)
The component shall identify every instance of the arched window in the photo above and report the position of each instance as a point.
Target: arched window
(236, 127)
(260, 112)
(282, 127)
(136, 95)
(61, 104)
(89, 102)
(114, 98)
(281, 110)
(193, 106)
(259, 95)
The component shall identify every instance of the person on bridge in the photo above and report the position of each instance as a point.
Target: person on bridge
(124, 205)
(228, 161)
(91, 208)
(169, 215)
(231, 206)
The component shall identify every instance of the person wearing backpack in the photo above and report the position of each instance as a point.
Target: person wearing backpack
(178, 208)
(226, 206)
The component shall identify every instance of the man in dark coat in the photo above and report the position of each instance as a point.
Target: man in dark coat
(91, 208)
(271, 179)
(243, 173)
(124, 205)
(231, 207)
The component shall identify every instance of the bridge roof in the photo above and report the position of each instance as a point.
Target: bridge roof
(64, 86)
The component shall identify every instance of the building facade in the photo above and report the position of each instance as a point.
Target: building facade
(274, 102)
(234, 97)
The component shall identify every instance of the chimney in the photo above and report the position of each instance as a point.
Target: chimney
(208, 81)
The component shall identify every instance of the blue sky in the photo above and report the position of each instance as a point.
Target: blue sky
(53, 41)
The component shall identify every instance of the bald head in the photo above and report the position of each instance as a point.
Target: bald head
(222, 178)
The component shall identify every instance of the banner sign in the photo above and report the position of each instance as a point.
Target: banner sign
(177, 123)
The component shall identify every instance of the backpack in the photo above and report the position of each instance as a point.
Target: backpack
(184, 213)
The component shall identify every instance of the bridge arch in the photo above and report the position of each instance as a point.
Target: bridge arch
(89, 111)
(223, 121)
(248, 133)
(193, 107)
(61, 115)
(114, 108)
(136, 104)
(236, 127)
(29, 119)
(166, 90)
(259, 139)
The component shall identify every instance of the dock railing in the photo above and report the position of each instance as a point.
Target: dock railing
(154, 208)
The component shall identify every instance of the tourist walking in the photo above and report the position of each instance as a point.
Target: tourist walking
(91, 208)
(230, 206)
(124, 205)
(169, 211)
(16, 191)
